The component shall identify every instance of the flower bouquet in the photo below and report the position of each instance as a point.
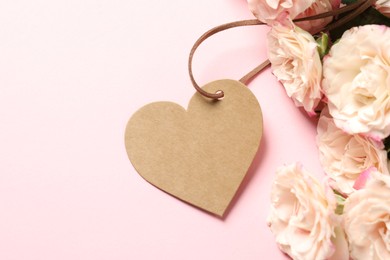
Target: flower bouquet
(333, 59)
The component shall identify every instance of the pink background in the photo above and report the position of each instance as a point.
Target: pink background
(71, 75)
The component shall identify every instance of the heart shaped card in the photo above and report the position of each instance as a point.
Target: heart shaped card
(202, 154)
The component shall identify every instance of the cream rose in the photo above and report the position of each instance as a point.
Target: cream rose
(383, 6)
(296, 63)
(268, 11)
(344, 157)
(357, 81)
(302, 214)
(367, 219)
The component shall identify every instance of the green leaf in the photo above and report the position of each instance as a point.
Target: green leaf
(340, 204)
(323, 44)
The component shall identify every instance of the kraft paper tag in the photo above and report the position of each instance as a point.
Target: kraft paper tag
(200, 155)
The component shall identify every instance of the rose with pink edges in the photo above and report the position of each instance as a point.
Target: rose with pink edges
(345, 157)
(357, 79)
(367, 219)
(303, 217)
(296, 63)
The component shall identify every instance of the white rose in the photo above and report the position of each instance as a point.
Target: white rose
(367, 219)
(296, 63)
(344, 157)
(357, 81)
(302, 215)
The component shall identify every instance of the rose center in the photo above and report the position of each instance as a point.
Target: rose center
(368, 84)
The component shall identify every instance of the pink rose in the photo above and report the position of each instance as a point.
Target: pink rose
(303, 216)
(367, 219)
(296, 63)
(357, 81)
(344, 157)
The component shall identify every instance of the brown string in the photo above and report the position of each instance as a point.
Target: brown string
(363, 5)
(219, 94)
(358, 7)
(336, 12)
(249, 76)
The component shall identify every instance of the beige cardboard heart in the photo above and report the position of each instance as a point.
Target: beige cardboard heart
(200, 155)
